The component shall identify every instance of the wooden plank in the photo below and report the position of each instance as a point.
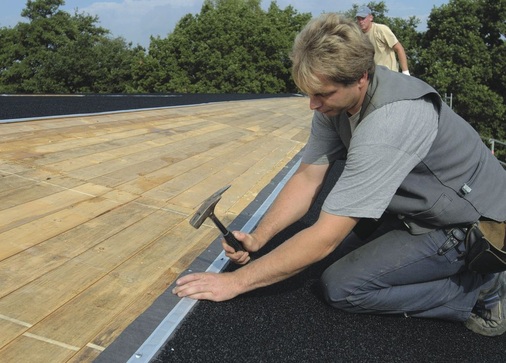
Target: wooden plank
(30, 234)
(156, 179)
(86, 354)
(217, 178)
(78, 127)
(251, 182)
(123, 158)
(218, 172)
(32, 263)
(118, 145)
(35, 349)
(10, 328)
(28, 191)
(9, 184)
(146, 161)
(38, 208)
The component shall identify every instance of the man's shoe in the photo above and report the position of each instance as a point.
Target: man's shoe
(489, 314)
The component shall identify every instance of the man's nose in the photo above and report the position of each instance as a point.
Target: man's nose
(314, 102)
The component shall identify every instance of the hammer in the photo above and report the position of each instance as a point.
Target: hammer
(207, 210)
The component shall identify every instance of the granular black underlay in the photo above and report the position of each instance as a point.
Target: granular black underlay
(290, 322)
(27, 106)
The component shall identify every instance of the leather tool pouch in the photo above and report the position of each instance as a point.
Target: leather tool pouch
(485, 246)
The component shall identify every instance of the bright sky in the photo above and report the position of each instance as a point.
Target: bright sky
(136, 20)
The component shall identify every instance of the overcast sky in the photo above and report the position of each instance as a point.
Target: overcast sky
(136, 20)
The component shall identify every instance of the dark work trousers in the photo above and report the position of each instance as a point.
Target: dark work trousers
(394, 272)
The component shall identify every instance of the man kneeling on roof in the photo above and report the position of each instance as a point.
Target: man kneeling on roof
(413, 167)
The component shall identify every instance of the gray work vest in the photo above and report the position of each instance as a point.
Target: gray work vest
(459, 181)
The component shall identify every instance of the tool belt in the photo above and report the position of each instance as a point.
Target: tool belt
(486, 247)
(485, 243)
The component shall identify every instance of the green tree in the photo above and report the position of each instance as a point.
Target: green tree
(287, 24)
(232, 46)
(461, 54)
(55, 52)
(112, 69)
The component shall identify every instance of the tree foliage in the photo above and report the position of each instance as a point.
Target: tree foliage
(232, 46)
(461, 54)
(55, 52)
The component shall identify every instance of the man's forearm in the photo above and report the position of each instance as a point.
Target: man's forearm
(401, 54)
(292, 203)
(303, 249)
(306, 247)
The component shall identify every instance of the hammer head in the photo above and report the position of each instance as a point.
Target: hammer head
(207, 208)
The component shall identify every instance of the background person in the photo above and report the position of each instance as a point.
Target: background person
(386, 44)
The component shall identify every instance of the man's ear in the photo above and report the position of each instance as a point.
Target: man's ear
(364, 79)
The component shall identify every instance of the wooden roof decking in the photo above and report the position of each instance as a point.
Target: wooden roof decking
(94, 212)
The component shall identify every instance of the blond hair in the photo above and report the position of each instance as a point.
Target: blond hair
(332, 47)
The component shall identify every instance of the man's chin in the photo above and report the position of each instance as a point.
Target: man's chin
(330, 113)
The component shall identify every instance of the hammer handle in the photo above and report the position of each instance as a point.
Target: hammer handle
(229, 237)
(233, 242)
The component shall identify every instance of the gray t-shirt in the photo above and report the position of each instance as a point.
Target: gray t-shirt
(385, 146)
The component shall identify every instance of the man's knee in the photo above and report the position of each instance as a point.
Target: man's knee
(333, 292)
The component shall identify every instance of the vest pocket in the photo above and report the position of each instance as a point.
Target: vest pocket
(467, 188)
(439, 207)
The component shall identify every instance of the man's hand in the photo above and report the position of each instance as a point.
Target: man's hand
(207, 286)
(250, 243)
(222, 286)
